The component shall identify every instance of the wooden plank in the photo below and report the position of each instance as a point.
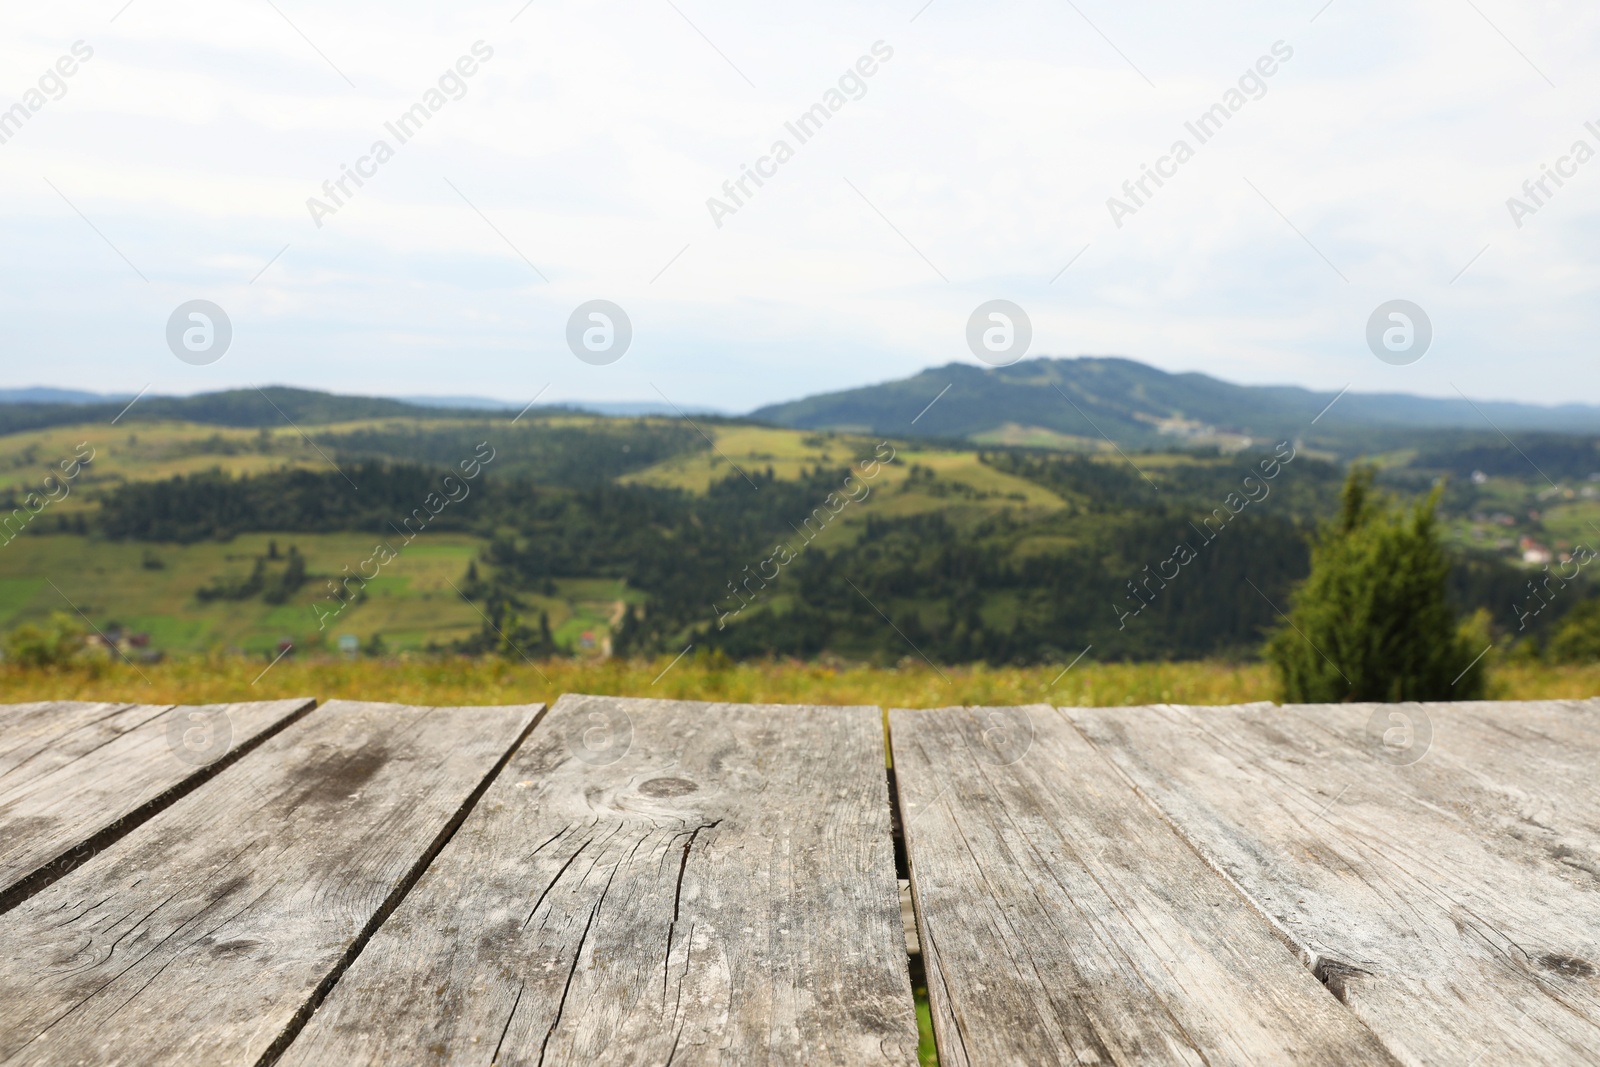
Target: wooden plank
(201, 936)
(650, 881)
(1062, 921)
(31, 728)
(72, 775)
(1446, 892)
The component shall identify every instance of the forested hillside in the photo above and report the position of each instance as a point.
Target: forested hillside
(560, 533)
(269, 406)
(1084, 402)
(1004, 587)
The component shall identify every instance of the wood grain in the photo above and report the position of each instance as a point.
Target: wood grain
(1062, 921)
(200, 936)
(650, 882)
(1453, 902)
(70, 772)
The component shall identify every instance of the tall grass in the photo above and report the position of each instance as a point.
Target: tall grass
(460, 680)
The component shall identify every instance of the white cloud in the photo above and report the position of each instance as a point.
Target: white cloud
(990, 140)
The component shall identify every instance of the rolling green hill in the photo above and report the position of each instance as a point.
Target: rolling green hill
(1083, 402)
(271, 406)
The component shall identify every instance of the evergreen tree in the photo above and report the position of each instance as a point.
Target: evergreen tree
(293, 577)
(629, 638)
(473, 586)
(1371, 622)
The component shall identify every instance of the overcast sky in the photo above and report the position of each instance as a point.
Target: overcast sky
(576, 163)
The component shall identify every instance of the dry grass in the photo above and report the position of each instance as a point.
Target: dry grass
(423, 680)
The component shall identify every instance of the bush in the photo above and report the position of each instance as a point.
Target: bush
(1371, 622)
(54, 643)
(1578, 639)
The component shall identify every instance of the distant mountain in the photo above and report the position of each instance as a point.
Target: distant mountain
(461, 402)
(634, 408)
(43, 394)
(273, 405)
(615, 408)
(225, 407)
(620, 408)
(1085, 401)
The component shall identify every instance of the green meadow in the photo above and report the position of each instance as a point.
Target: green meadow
(153, 589)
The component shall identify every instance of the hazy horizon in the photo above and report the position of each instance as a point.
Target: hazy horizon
(657, 405)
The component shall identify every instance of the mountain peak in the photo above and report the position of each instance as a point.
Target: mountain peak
(1092, 400)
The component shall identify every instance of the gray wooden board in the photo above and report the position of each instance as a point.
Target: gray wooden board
(70, 771)
(1062, 921)
(1453, 902)
(200, 936)
(650, 881)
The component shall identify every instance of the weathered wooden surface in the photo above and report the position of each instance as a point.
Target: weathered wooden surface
(1063, 921)
(1452, 902)
(71, 772)
(200, 935)
(650, 882)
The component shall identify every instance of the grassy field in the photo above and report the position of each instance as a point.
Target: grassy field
(460, 680)
(1015, 434)
(148, 451)
(787, 452)
(152, 588)
(753, 448)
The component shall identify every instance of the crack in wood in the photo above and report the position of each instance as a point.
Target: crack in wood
(562, 1005)
(677, 899)
(512, 1015)
(107, 983)
(570, 861)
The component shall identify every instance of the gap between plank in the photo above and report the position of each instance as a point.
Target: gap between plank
(902, 861)
(916, 966)
(298, 1021)
(53, 870)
